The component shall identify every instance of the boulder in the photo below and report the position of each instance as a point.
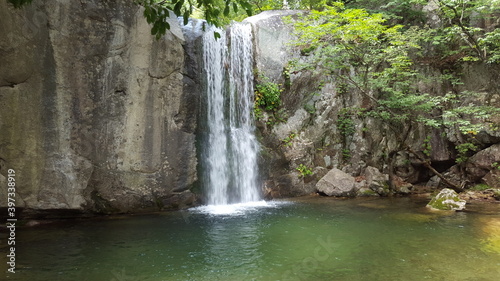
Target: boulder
(376, 181)
(447, 199)
(365, 191)
(337, 183)
(482, 162)
(492, 178)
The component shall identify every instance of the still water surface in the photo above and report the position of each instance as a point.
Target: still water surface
(304, 239)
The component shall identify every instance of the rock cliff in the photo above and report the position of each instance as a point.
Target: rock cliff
(321, 130)
(97, 115)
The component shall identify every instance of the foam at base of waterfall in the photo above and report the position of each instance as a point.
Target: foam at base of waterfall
(236, 209)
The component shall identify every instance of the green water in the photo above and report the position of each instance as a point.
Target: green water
(305, 239)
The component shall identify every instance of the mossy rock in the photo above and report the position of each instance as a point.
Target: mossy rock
(369, 192)
(447, 199)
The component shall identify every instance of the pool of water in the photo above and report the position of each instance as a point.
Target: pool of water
(303, 239)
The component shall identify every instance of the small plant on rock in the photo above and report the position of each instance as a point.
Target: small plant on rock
(303, 170)
(288, 140)
(268, 95)
(464, 151)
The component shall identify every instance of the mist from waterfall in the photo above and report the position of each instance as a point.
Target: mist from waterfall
(231, 146)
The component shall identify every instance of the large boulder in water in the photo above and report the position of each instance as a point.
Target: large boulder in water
(337, 183)
(447, 199)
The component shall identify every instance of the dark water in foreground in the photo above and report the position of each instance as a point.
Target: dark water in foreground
(305, 239)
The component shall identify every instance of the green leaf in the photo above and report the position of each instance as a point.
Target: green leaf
(186, 17)
(154, 29)
(177, 7)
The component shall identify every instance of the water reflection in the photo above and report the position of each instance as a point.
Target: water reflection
(232, 243)
(320, 240)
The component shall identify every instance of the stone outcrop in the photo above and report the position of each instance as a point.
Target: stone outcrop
(315, 111)
(95, 112)
(376, 181)
(484, 162)
(337, 183)
(447, 199)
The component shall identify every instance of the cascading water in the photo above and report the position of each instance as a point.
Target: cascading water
(231, 146)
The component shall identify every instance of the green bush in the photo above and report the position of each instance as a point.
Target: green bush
(268, 95)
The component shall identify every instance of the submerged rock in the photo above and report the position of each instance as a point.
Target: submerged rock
(447, 199)
(491, 232)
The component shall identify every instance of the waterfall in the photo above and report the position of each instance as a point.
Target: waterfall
(231, 147)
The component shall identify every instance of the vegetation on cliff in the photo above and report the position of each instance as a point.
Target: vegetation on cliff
(362, 52)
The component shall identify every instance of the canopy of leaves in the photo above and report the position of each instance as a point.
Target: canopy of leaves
(157, 12)
(19, 3)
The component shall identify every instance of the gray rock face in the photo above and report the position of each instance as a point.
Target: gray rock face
(483, 162)
(271, 38)
(337, 183)
(376, 181)
(94, 112)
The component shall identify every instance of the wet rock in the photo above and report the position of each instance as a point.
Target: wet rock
(337, 183)
(180, 200)
(447, 199)
(288, 185)
(365, 191)
(491, 194)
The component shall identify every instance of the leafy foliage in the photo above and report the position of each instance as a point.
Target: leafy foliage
(303, 170)
(157, 12)
(464, 150)
(268, 95)
(360, 53)
(472, 43)
(401, 11)
(427, 147)
(19, 3)
(345, 123)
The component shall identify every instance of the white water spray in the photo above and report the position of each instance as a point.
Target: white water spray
(231, 147)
